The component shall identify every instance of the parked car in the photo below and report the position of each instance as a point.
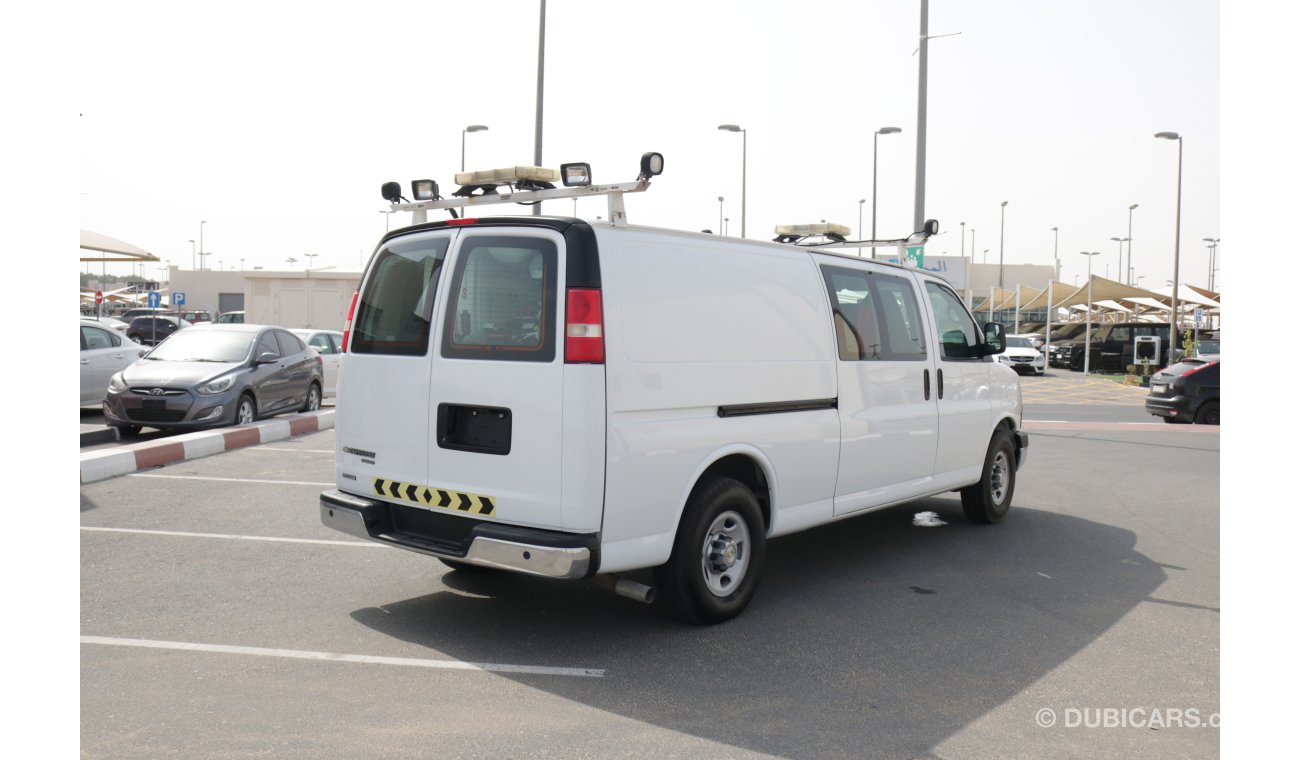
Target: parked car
(1207, 349)
(1021, 355)
(104, 353)
(329, 344)
(112, 323)
(1112, 346)
(231, 318)
(196, 317)
(1186, 392)
(151, 331)
(1063, 339)
(211, 375)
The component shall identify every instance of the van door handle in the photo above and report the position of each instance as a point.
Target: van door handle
(940, 383)
(927, 385)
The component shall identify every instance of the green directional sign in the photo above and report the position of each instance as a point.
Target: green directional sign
(916, 256)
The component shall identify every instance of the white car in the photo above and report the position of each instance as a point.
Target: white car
(329, 344)
(104, 353)
(1021, 355)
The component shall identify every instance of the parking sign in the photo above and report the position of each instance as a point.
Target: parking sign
(178, 299)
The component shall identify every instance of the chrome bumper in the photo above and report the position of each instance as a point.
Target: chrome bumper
(363, 518)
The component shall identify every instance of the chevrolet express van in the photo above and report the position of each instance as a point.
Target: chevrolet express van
(563, 398)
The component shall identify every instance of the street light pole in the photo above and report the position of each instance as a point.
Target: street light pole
(1056, 251)
(541, 77)
(1087, 339)
(861, 202)
(1213, 246)
(720, 199)
(1178, 227)
(1002, 239)
(201, 242)
(1119, 270)
(875, 139)
(463, 132)
(192, 254)
(744, 169)
(1130, 243)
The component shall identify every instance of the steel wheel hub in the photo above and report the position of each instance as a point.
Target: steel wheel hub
(724, 557)
(998, 477)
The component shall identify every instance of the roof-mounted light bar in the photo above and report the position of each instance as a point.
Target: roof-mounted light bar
(523, 185)
(792, 233)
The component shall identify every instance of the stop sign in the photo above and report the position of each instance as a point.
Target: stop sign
(99, 296)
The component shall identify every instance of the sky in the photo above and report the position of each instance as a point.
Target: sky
(276, 123)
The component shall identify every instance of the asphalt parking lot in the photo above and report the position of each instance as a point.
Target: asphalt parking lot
(220, 619)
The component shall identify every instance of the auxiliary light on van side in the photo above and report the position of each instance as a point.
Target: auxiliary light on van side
(575, 175)
(424, 190)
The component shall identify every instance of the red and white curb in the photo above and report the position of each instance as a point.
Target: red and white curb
(101, 465)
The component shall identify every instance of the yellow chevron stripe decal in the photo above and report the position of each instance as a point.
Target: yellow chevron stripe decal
(436, 498)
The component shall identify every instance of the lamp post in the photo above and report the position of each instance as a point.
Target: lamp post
(861, 202)
(1130, 243)
(1056, 251)
(463, 132)
(241, 265)
(1178, 226)
(875, 140)
(720, 199)
(744, 168)
(985, 258)
(725, 221)
(201, 243)
(309, 257)
(192, 254)
(1002, 239)
(387, 215)
(1119, 266)
(1087, 339)
(1213, 246)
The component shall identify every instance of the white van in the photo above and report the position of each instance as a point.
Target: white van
(567, 399)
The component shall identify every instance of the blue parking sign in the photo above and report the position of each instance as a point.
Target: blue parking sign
(155, 299)
(178, 299)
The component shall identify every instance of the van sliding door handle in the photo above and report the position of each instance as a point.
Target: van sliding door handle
(940, 383)
(927, 385)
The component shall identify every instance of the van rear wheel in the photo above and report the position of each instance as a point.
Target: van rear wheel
(714, 568)
(988, 500)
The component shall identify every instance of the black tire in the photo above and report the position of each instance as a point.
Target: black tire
(1208, 414)
(989, 500)
(312, 402)
(246, 410)
(717, 555)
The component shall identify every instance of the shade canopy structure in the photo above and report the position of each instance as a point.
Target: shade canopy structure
(1187, 295)
(1026, 295)
(1103, 290)
(1210, 294)
(111, 249)
(998, 295)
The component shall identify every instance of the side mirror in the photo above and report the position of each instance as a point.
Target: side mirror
(266, 357)
(994, 342)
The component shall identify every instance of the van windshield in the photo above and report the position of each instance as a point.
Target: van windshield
(395, 309)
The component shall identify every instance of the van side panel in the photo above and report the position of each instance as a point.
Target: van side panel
(693, 325)
(582, 487)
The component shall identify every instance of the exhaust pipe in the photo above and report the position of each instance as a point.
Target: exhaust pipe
(626, 587)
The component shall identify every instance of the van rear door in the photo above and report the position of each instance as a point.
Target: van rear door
(380, 425)
(495, 396)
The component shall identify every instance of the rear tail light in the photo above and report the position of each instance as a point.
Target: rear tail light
(347, 324)
(584, 331)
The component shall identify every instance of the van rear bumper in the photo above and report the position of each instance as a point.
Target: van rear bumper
(532, 551)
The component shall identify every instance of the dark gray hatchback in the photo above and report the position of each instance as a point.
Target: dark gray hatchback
(210, 375)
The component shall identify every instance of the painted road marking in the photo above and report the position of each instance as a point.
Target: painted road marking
(409, 662)
(231, 480)
(234, 537)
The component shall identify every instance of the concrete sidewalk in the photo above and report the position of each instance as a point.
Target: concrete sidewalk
(101, 465)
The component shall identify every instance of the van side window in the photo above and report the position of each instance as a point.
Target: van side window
(876, 316)
(958, 335)
(395, 310)
(503, 300)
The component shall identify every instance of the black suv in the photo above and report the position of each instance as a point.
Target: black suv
(151, 331)
(1063, 337)
(1112, 346)
(1186, 392)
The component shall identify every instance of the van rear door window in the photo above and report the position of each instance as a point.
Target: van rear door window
(395, 310)
(503, 300)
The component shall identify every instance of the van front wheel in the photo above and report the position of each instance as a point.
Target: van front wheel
(714, 568)
(988, 500)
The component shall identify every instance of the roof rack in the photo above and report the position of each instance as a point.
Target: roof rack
(833, 236)
(525, 185)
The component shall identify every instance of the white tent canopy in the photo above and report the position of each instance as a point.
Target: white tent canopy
(111, 249)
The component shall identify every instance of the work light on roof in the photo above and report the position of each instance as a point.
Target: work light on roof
(652, 165)
(424, 190)
(392, 192)
(575, 175)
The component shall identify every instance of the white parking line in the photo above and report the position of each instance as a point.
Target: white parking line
(231, 480)
(409, 662)
(229, 536)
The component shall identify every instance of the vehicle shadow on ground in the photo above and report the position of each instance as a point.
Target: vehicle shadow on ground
(867, 637)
